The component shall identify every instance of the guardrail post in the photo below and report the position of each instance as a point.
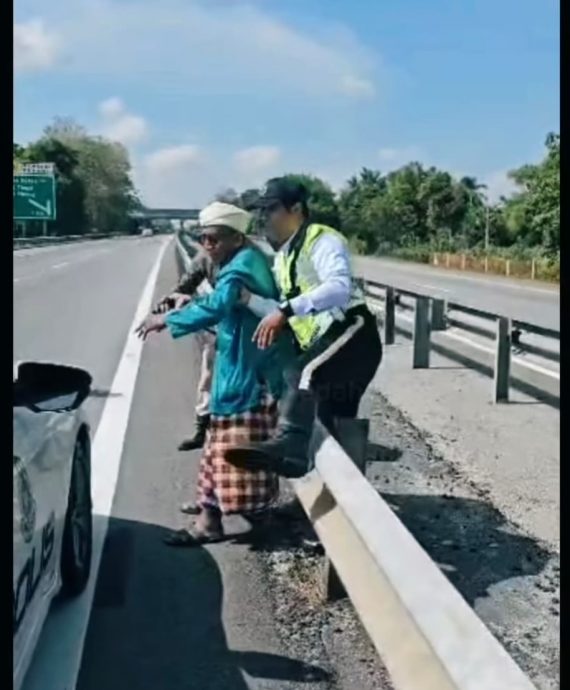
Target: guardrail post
(502, 359)
(352, 436)
(389, 317)
(508, 267)
(421, 334)
(438, 313)
(463, 260)
(533, 270)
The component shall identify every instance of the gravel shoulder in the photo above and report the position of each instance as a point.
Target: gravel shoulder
(457, 475)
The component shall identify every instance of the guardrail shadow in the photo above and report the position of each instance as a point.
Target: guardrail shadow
(376, 452)
(468, 541)
(157, 622)
(524, 387)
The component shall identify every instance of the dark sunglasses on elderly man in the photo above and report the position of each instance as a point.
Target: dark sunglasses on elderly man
(214, 238)
(210, 238)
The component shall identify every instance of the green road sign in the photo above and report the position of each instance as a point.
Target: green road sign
(34, 197)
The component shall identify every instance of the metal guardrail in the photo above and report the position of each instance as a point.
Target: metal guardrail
(427, 635)
(42, 241)
(431, 314)
(46, 240)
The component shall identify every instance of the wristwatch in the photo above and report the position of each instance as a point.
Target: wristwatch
(286, 309)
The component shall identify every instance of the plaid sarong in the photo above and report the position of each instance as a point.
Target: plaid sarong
(228, 488)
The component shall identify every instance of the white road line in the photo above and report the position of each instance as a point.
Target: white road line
(432, 287)
(58, 658)
(471, 343)
(55, 267)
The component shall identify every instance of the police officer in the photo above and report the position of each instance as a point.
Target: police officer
(339, 344)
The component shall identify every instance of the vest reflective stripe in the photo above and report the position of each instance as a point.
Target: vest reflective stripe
(309, 328)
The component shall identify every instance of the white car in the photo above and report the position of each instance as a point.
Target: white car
(146, 232)
(52, 497)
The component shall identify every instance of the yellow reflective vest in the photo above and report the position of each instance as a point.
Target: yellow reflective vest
(296, 275)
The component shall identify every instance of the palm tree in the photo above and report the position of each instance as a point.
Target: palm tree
(477, 199)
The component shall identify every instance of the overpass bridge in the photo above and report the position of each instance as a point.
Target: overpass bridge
(165, 214)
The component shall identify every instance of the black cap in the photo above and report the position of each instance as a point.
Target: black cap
(282, 190)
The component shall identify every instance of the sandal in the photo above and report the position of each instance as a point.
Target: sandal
(185, 538)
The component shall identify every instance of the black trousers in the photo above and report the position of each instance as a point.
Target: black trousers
(334, 372)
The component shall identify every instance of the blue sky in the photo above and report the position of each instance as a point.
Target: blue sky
(208, 94)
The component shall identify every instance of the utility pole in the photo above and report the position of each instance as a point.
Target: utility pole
(487, 223)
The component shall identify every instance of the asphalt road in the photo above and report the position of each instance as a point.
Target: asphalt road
(535, 303)
(74, 304)
(198, 619)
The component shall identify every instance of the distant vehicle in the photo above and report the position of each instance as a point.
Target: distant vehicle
(52, 514)
(146, 232)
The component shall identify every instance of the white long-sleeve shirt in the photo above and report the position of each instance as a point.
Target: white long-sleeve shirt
(331, 260)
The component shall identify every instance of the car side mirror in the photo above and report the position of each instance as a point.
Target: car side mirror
(44, 387)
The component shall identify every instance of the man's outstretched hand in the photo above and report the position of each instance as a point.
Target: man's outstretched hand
(154, 323)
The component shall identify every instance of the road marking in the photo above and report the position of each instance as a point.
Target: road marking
(58, 657)
(55, 267)
(515, 360)
(471, 343)
(432, 287)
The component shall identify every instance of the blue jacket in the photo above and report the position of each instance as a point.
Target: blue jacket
(240, 367)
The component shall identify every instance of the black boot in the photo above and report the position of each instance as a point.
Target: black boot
(197, 441)
(287, 452)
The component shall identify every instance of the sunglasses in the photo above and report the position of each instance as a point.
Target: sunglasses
(208, 238)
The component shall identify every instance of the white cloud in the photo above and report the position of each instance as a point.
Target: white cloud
(182, 176)
(208, 47)
(393, 158)
(189, 176)
(256, 159)
(172, 159)
(112, 107)
(120, 125)
(498, 184)
(35, 48)
(355, 86)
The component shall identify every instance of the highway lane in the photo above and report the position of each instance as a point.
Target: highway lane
(535, 303)
(73, 304)
(197, 619)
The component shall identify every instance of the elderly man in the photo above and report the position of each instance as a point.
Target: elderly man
(247, 381)
(201, 269)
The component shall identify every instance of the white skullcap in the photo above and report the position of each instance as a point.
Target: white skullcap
(219, 213)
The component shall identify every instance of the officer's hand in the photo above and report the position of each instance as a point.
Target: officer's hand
(269, 328)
